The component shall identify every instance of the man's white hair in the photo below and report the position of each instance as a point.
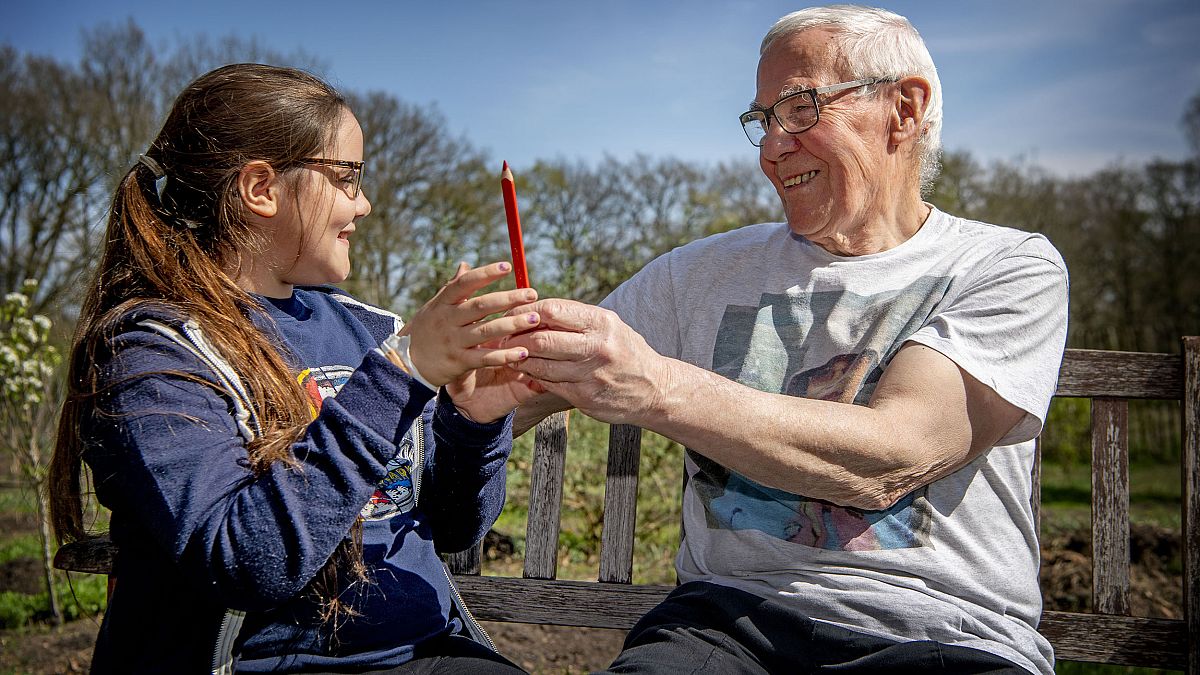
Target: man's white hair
(876, 43)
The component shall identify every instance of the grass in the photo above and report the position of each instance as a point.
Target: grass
(1154, 495)
(78, 595)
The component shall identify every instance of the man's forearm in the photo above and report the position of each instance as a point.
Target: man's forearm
(926, 420)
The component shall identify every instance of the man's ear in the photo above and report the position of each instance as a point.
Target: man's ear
(258, 187)
(908, 118)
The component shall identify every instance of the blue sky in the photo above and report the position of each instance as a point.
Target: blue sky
(1069, 85)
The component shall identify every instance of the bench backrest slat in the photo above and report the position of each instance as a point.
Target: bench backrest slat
(620, 503)
(1110, 506)
(1090, 372)
(545, 497)
(1035, 499)
(1190, 422)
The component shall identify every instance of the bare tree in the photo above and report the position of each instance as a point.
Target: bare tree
(52, 173)
(570, 213)
(434, 201)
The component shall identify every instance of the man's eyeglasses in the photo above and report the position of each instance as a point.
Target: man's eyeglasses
(796, 113)
(350, 184)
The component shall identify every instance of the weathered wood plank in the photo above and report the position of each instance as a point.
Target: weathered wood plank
(592, 604)
(620, 503)
(1157, 643)
(1090, 372)
(1118, 640)
(1110, 506)
(465, 562)
(1035, 497)
(1191, 499)
(545, 497)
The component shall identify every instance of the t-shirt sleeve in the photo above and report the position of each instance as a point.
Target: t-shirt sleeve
(647, 303)
(1007, 329)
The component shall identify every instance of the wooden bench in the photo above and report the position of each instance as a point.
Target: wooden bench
(1108, 634)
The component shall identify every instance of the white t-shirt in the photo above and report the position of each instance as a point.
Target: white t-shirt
(955, 561)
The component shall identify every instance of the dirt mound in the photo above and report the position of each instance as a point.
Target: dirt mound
(1156, 581)
(22, 575)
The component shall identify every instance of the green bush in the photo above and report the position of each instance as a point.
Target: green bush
(81, 596)
(1067, 438)
(17, 609)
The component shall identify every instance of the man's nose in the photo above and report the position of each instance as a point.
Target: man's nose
(778, 142)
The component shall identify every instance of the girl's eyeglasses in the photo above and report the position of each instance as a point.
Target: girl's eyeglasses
(356, 172)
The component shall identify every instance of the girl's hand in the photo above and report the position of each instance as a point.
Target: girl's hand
(487, 394)
(450, 336)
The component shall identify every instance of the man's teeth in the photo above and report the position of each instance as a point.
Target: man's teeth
(802, 178)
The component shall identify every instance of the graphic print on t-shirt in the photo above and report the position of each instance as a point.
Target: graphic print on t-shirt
(829, 345)
(396, 493)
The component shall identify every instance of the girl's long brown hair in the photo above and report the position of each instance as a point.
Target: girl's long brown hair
(174, 249)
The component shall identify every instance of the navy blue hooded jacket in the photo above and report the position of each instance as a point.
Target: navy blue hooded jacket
(214, 560)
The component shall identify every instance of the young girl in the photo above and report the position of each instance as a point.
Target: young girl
(261, 523)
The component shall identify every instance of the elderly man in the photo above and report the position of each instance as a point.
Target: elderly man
(858, 389)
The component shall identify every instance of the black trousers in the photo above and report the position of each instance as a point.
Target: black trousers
(707, 628)
(454, 655)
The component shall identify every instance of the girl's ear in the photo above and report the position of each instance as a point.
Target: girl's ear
(908, 118)
(258, 186)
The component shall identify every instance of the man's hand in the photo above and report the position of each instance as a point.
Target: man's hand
(589, 357)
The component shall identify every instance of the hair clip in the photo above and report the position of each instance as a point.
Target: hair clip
(160, 184)
(160, 176)
(154, 166)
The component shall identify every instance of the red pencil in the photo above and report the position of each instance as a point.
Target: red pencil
(514, 227)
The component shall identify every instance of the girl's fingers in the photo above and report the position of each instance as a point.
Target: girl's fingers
(496, 302)
(483, 358)
(467, 281)
(487, 331)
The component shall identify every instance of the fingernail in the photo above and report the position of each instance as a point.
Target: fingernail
(504, 267)
(530, 295)
(533, 318)
(523, 355)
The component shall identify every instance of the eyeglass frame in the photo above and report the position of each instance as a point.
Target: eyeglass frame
(357, 167)
(767, 113)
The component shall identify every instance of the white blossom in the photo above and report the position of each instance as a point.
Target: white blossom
(17, 299)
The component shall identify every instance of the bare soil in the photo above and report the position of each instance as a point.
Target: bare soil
(1066, 582)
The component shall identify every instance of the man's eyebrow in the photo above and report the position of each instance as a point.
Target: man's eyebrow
(791, 89)
(783, 93)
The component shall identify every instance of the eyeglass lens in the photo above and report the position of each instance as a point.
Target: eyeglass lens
(795, 113)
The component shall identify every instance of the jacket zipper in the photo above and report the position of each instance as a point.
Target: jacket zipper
(473, 625)
(231, 625)
(418, 429)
